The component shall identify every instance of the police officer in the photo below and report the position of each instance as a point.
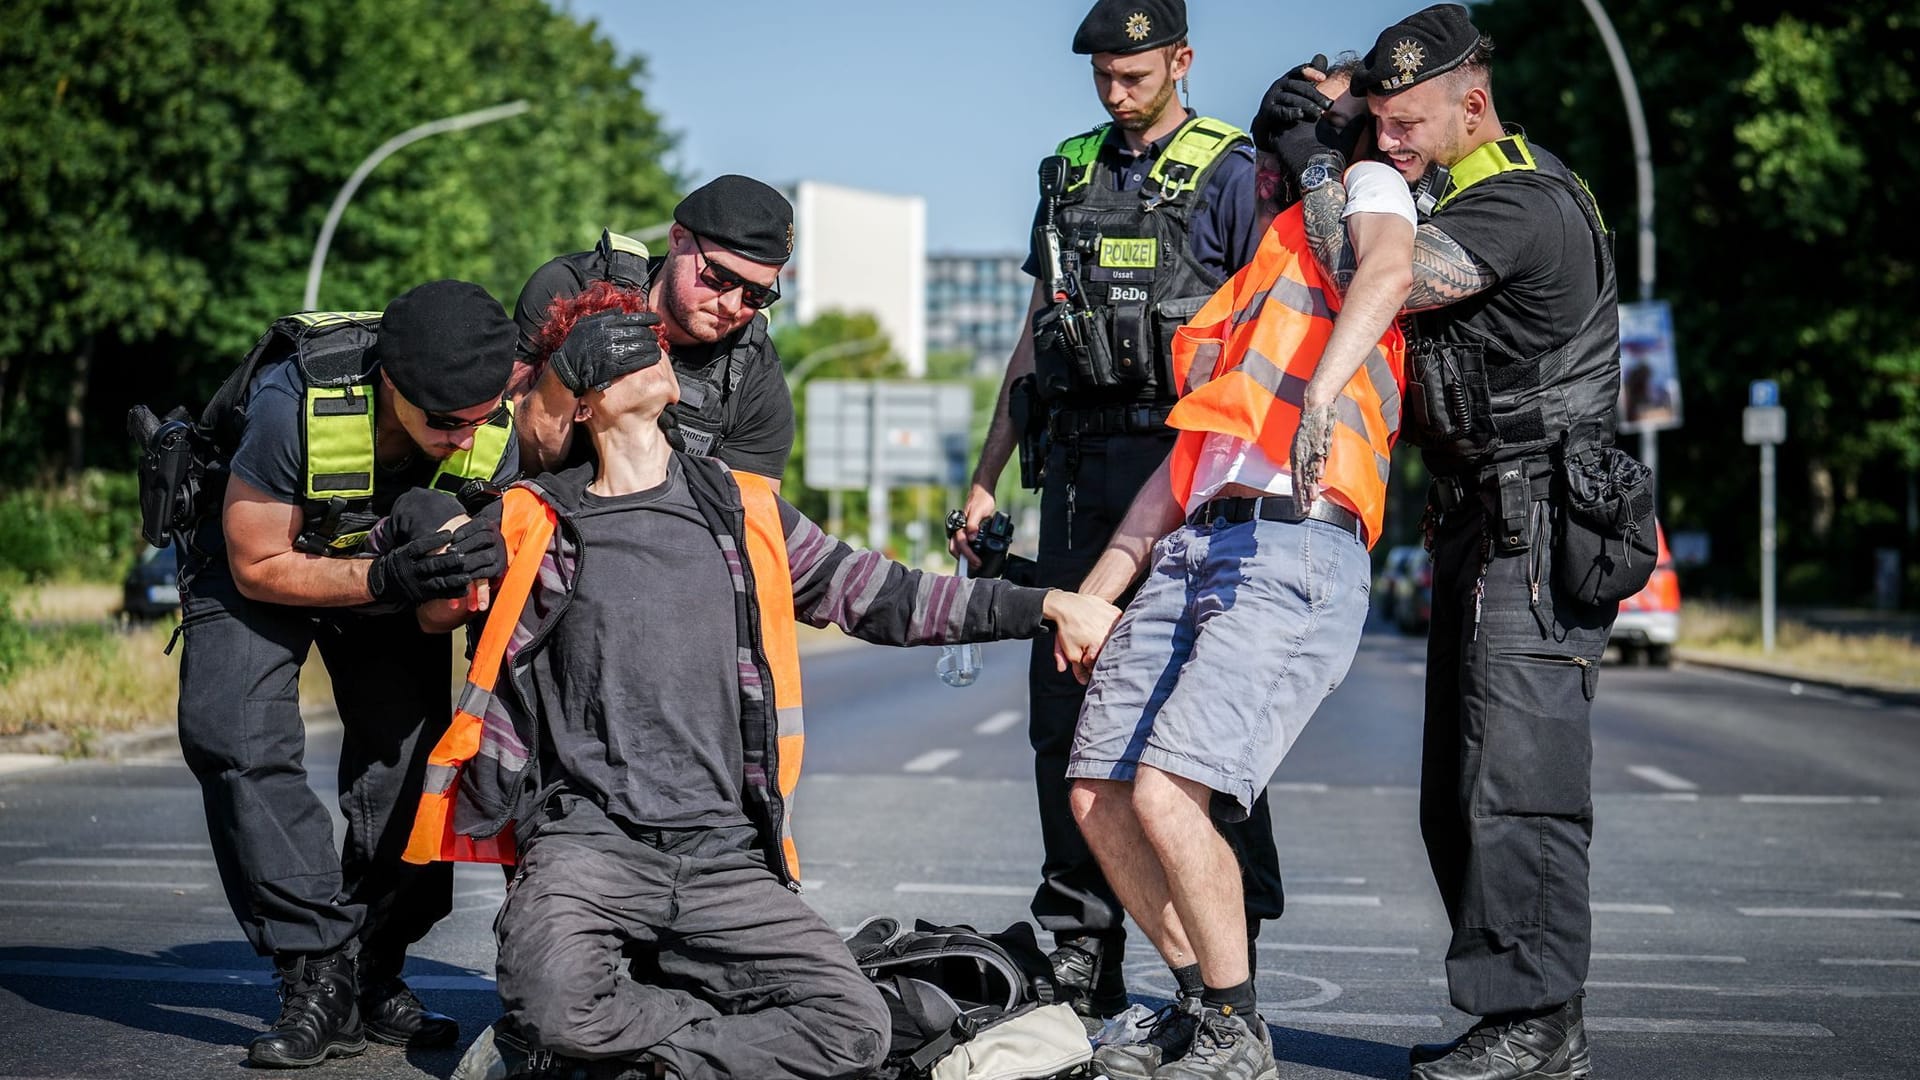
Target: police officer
(338, 420)
(729, 239)
(1153, 211)
(1514, 372)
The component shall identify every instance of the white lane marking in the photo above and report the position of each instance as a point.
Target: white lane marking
(167, 864)
(1632, 909)
(1371, 950)
(1811, 800)
(1656, 958)
(88, 905)
(182, 886)
(1689, 987)
(999, 722)
(931, 760)
(1643, 1025)
(1660, 796)
(1308, 789)
(958, 889)
(1309, 1018)
(221, 976)
(153, 847)
(1332, 900)
(22, 843)
(1872, 894)
(1827, 913)
(1326, 880)
(1866, 961)
(1661, 778)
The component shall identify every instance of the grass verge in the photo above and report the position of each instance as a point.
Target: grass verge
(1734, 631)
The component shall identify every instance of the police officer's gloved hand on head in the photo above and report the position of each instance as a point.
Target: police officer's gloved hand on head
(1303, 143)
(420, 512)
(1291, 101)
(603, 347)
(419, 570)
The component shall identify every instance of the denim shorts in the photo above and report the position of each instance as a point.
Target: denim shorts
(1235, 637)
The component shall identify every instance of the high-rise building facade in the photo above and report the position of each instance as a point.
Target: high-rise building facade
(975, 305)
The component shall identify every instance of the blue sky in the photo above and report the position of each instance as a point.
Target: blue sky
(956, 102)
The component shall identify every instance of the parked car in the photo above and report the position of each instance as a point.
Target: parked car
(1649, 621)
(152, 586)
(1405, 588)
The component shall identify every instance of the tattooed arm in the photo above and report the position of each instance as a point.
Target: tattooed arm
(1443, 271)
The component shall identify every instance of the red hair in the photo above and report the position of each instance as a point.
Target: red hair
(566, 311)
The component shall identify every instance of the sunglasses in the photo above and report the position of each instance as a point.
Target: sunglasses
(722, 280)
(443, 422)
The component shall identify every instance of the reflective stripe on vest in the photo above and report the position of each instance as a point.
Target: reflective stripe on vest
(527, 524)
(1244, 361)
(339, 433)
(1194, 147)
(481, 459)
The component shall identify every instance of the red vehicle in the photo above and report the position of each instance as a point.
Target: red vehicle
(1649, 621)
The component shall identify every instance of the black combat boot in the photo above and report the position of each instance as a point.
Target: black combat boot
(1544, 1046)
(1086, 971)
(393, 1015)
(319, 1014)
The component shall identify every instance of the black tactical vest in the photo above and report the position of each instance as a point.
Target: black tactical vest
(1128, 252)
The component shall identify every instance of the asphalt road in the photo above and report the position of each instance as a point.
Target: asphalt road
(1757, 879)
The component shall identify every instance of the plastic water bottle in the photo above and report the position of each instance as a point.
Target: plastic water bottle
(959, 665)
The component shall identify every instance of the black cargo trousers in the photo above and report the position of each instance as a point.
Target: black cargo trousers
(242, 734)
(1105, 472)
(1506, 805)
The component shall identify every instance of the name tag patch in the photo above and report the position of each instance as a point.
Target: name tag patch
(1126, 294)
(1129, 253)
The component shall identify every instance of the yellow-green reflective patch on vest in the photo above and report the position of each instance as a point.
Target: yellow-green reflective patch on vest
(1129, 253)
(479, 461)
(1198, 143)
(1510, 154)
(319, 319)
(339, 433)
(1080, 152)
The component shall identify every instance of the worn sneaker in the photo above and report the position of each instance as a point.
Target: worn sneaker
(1548, 1047)
(1164, 1036)
(1225, 1046)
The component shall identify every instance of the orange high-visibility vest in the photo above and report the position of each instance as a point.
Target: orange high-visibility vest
(1244, 360)
(527, 524)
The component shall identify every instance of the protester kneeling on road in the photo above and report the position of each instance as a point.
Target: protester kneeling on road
(639, 756)
(1256, 530)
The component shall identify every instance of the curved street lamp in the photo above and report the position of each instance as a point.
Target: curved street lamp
(385, 150)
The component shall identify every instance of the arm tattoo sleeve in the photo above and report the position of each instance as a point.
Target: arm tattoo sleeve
(1444, 272)
(1323, 207)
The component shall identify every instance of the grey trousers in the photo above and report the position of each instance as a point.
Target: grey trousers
(742, 979)
(1506, 804)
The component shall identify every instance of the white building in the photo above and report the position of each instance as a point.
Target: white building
(861, 251)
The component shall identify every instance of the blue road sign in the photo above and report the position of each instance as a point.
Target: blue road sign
(1763, 393)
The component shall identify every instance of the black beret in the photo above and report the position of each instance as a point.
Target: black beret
(742, 215)
(1424, 45)
(1130, 26)
(447, 346)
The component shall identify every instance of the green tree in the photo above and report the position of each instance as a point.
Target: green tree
(1780, 136)
(164, 169)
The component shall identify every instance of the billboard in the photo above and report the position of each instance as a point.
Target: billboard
(1649, 375)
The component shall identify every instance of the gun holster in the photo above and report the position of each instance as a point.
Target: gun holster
(1447, 398)
(1029, 417)
(170, 473)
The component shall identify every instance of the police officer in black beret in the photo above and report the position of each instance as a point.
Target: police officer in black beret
(725, 250)
(335, 427)
(1152, 211)
(1511, 385)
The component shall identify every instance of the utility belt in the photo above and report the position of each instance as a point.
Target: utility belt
(1136, 419)
(1513, 487)
(1238, 509)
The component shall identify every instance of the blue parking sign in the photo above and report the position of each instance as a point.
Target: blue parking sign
(1763, 393)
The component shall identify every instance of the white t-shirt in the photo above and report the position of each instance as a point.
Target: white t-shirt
(1373, 187)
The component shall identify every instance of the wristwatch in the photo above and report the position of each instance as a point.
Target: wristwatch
(1316, 175)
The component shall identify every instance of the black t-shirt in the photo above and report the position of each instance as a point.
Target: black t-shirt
(755, 419)
(643, 716)
(271, 456)
(1534, 237)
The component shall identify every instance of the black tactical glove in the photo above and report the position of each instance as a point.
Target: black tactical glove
(481, 548)
(420, 512)
(601, 348)
(413, 573)
(1292, 100)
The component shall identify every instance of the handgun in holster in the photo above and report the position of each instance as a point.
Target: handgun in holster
(170, 472)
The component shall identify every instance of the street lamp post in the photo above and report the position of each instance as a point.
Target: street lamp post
(385, 150)
(1643, 174)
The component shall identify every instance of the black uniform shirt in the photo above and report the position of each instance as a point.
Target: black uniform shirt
(755, 419)
(1223, 236)
(1535, 239)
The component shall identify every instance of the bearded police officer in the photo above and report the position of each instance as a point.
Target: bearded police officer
(1514, 371)
(729, 240)
(333, 422)
(1140, 220)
